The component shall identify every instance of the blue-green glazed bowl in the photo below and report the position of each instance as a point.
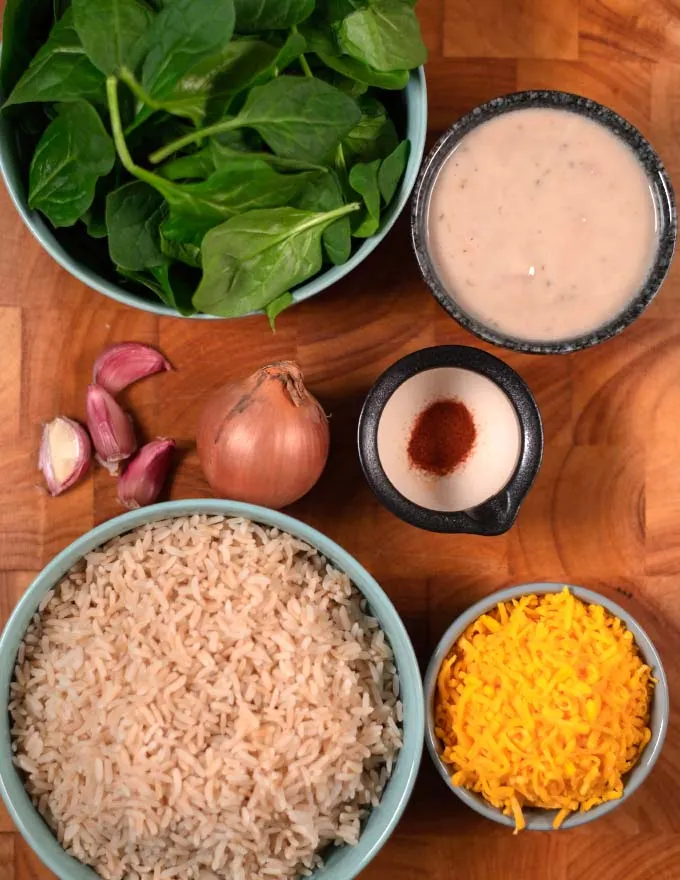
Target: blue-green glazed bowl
(414, 127)
(541, 820)
(342, 863)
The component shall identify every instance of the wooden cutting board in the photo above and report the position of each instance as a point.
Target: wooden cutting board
(604, 513)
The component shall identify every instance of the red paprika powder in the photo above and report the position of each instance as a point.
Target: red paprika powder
(442, 437)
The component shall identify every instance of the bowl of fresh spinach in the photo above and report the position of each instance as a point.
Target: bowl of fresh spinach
(211, 158)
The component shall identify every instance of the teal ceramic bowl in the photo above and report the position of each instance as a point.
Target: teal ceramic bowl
(85, 266)
(541, 820)
(343, 863)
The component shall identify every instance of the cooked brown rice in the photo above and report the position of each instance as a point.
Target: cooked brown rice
(204, 698)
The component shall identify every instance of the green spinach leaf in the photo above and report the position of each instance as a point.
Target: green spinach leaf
(184, 33)
(324, 193)
(299, 118)
(234, 188)
(167, 284)
(374, 137)
(320, 41)
(208, 89)
(134, 214)
(175, 246)
(392, 171)
(252, 259)
(60, 71)
(73, 153)
(363, 178)
(386, 35)
(274, 309)
(270, 15)
(25, 26)
(114, 33)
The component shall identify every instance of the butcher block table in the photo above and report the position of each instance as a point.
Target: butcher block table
(605, 510)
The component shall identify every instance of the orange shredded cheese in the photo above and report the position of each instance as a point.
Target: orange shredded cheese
(544, 702)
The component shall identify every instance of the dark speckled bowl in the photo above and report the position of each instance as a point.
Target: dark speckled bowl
(659, 182)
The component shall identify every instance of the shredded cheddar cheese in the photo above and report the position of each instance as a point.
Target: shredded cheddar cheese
(544, 703)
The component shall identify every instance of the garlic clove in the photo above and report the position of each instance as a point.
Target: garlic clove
(126, 362)
(110, 428)
(144, 477)
(65, 454)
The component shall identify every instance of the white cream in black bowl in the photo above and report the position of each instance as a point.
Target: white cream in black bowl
(450, 440)
(544, 222)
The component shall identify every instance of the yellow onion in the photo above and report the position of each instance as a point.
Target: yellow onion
(264, 439)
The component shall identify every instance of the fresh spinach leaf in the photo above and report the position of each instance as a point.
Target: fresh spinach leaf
(25, 26)
(166, 284)
(184, 33)
(94, 224)
(241, 185)
(320, 41)
(333, 11)
(114, 33)
(386, 35)
(134, 214)
(60, 71)
(196, 166)
(363, 178)
(95, 216)
(208, 89)
(252, 259)
(392, 171)
(270, 15)
(374, 137)
(324, 193)
(274, 309)
(73, 153)
(223, 153)
(176, 247)
(177, 288)
(299, 118)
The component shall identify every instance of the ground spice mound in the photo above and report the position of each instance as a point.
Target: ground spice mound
(442, 438)
(544, 703)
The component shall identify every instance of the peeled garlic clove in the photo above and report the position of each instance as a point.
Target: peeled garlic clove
(110, 428)
(126, 362)
(65, 454)
(144, 477)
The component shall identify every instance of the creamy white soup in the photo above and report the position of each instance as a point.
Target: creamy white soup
(542, 224)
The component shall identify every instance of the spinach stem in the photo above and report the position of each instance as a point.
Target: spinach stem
(306, 69)
(119, 137)
(130, 80)
(192, 137)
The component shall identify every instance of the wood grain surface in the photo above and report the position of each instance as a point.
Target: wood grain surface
(604, 513)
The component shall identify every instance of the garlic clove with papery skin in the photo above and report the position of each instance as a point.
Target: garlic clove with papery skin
(144, 477)
(124, 363)
(65, 454)
(111, 429)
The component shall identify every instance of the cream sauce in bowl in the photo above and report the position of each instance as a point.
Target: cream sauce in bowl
(542, 224)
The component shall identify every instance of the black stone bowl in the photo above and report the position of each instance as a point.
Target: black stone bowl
(496, 515)
(659, 182)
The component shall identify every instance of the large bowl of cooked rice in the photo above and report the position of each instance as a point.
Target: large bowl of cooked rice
(207, 690)
(547, 706)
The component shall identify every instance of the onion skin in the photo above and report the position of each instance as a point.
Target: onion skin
(264, 439)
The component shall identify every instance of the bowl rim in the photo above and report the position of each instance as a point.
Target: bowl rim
(539, 819)
(497, 514)
(395, 797)
(415, 99)
(653, 167)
